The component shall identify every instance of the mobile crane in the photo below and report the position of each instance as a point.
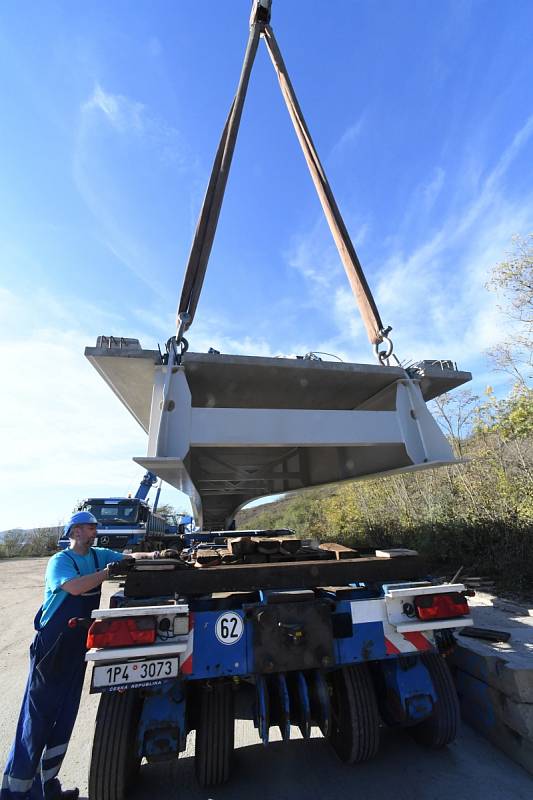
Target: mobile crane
(128, 523)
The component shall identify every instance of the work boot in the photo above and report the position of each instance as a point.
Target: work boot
(53, 791)
(69, 794)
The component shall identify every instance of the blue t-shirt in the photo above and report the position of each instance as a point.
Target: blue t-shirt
(61, 568)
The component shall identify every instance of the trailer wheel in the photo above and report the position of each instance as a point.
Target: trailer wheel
(114, 762)
(355, 719)
(214, 734)
(440, 728)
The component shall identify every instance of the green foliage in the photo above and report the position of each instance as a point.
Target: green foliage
(478, 514)
(166, 510)
(516, 421)
(511, 418)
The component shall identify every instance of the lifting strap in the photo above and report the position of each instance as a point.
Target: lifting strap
(209, 214)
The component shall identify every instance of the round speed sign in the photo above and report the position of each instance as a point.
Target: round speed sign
(229, 628)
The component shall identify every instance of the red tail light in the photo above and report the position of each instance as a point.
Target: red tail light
(441, 606)
(121, 632)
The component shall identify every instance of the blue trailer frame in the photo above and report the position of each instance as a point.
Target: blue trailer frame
(312, 679)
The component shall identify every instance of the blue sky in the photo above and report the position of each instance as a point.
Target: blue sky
(422, 114)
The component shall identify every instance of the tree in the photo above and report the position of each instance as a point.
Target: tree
(13, 543)
(512, 280)
(42, 541)
(456, 413)
(169, 512)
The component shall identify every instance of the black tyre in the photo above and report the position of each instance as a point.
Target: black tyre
(354, 732)
(114, 761)
(441, 727)
(214, 734)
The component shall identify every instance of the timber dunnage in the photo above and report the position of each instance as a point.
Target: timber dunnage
(147, 582)
(339, 550)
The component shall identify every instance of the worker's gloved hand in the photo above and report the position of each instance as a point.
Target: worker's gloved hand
(115, 568)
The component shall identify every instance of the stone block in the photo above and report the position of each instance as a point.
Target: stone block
(498, 708)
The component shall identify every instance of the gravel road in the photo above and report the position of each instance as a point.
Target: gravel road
(471, 768)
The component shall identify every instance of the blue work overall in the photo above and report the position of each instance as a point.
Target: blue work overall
(51, 701)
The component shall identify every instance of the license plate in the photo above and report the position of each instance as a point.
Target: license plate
(134, 673)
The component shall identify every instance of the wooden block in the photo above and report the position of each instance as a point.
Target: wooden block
(268, 546)
(302, 555)
(325, 555)
(339, 550)
(311, 555)
(290, 546)
(242, 545)
(226, 556)
(255, 558)
(207, 558)
(395, 552)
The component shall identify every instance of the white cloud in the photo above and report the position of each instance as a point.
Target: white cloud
(314, 255)
(436, 295)
(64, 434)
(105, 187)
(433, 188)
(157, 322)
(433, 293)
(122, 113)
(220, 332)
(213, 330)
(346, 316)
(348, 137)
(491, 190)
(128, 116)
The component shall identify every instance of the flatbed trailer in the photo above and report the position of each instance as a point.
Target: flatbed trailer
(353, 645)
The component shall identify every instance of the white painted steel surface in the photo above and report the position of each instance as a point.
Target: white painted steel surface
(228, 429)
(396, 597)
(140, 611)
(155, 650)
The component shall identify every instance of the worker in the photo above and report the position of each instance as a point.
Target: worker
(57, 664)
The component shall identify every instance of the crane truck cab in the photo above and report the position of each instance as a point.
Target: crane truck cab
(124, 523)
